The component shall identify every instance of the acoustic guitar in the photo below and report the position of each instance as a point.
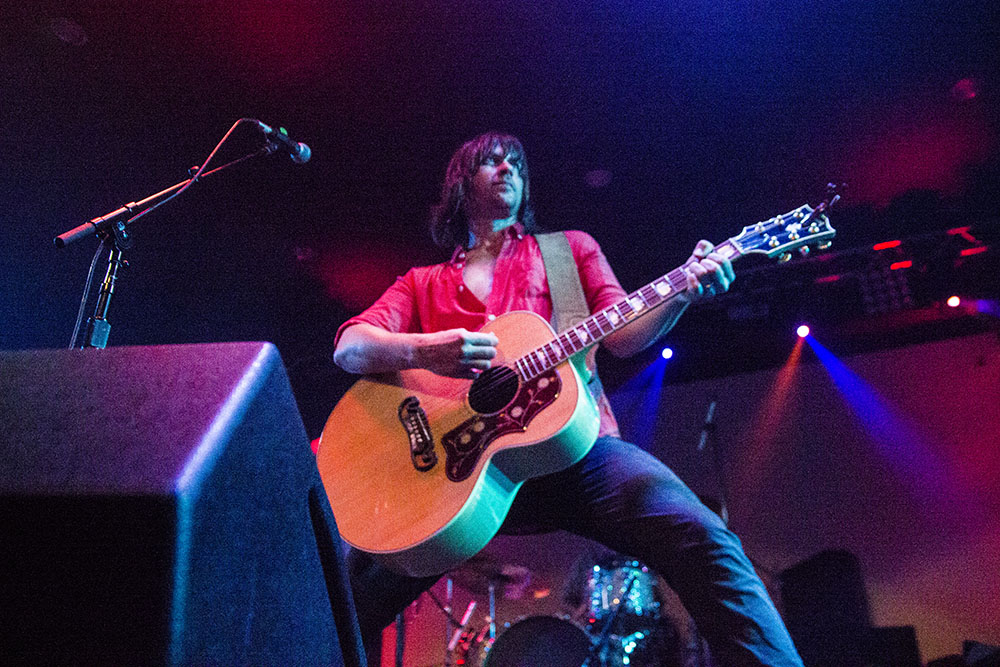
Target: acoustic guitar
(421, 469)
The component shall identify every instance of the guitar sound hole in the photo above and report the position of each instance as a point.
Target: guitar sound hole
(493, 390)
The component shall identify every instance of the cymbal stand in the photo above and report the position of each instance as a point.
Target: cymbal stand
(450, 620)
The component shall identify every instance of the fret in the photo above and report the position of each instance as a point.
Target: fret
(625, 310)
(567, 344)
(530, 361)
(556, 356)
(577, 343)
(544, 357)
(595, 320)
(648, 295)
(562, 344)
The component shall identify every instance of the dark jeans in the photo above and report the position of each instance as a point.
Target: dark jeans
(626, 499)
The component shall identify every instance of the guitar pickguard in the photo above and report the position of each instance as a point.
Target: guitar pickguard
(465, 444)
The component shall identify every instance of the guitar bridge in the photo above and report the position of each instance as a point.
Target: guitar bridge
(418, 431)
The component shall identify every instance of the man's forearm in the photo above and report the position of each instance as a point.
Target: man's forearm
(364, 349)
(646, 330)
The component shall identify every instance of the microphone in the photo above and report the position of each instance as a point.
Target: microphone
(278, 138)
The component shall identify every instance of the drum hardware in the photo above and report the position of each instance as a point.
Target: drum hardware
(454, 627)
(552, 641)
(603, 640)
(482, 575)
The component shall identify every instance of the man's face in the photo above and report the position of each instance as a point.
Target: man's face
(497, 186)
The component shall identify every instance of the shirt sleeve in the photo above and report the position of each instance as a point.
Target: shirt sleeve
(394, 311)
(600, 285)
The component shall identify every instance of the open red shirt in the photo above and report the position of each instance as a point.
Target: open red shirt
(435, 298)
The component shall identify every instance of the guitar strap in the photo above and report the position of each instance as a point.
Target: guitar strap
(569, 305)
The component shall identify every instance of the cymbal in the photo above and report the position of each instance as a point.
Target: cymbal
(476, 574)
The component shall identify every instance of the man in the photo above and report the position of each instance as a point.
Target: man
(617, 494)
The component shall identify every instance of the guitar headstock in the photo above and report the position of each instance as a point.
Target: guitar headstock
(798, 229)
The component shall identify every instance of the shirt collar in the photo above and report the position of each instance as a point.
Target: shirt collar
(515, 232)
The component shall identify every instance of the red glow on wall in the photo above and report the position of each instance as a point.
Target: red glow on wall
(278, 42)
(900, 265)
(886, 245)
(924, 144)
(354, 274)
(828, 279)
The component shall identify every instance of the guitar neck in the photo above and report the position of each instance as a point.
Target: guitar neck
(598, 326)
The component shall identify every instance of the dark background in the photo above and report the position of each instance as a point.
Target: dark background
(706, 116)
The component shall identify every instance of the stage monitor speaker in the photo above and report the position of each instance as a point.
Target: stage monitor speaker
(161, 505)
(826, 609)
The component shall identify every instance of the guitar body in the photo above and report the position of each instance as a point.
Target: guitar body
(422, 516)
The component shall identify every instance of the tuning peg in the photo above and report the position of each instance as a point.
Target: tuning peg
(824, 245)
(784, 257)
(804, 250)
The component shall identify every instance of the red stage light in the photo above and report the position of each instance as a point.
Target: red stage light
(886, 245)
(954, 301)
(900, 265)
(973, 251)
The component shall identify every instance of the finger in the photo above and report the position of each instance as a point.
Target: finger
(702, 249)
(726, 264)
(480, 338)
(694, 285)
(477, 365)
(479, 352)
(714, 276)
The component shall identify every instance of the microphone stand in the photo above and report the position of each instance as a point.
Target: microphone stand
(708, 439)
(112, 228)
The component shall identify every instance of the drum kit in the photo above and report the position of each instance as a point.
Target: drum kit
(618, 622)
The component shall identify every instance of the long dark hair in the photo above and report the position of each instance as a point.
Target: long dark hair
(449, 221)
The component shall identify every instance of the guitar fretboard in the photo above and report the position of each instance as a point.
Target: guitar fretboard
(592, 330)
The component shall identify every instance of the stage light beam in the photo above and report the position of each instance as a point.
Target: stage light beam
(954, 301)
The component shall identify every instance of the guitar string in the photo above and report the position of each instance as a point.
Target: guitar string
(674, 278)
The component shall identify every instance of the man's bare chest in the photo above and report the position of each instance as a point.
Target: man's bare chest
(478, 276)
